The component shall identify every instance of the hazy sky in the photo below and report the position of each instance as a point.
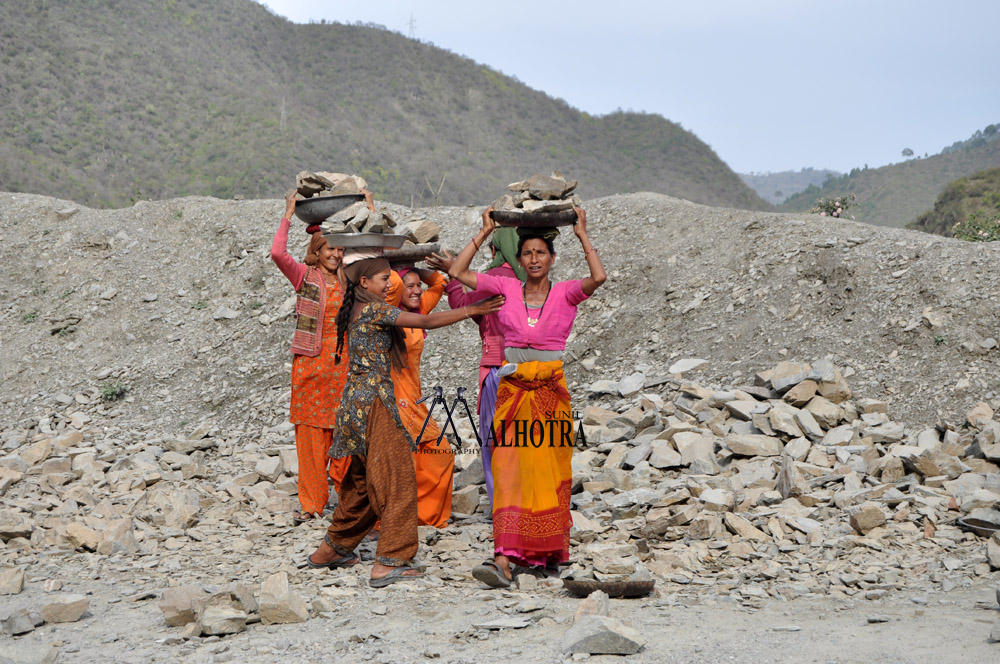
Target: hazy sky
(770, 85)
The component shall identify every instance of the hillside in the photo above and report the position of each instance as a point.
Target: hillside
(775, 188)
(897, 194)
(107, 102)
(978, 194)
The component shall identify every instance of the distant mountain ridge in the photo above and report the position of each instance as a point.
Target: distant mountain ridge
(107, 102)
(775, 188)
(895, 195)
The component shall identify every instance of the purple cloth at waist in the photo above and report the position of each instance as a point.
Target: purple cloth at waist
(487, 405)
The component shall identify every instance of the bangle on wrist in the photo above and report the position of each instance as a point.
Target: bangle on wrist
(589, 252)
(466, 310)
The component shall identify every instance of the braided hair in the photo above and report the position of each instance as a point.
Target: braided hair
(344, 318)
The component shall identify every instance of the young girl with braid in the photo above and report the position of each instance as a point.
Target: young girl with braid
(380, 483)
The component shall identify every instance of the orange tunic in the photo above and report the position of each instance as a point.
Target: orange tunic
(435, 464)
(317, 384)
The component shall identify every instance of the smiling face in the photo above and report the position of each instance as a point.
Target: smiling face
(412, 290)
(330, 257)
(377, 284)
(535, 258)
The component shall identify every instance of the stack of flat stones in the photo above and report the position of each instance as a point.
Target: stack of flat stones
(540, 193)
(357, 218)
(420, 232)
(323, 184)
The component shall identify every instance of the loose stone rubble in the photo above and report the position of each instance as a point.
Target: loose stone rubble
(740, 488)
(65, 608)
(355, 218)
(726, 492)
(540, 193)
(324, 183)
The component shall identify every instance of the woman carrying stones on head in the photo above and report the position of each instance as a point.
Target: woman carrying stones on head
(434, 464)
(533, 422)
(317, 381)
(504, 264)
(380, 484)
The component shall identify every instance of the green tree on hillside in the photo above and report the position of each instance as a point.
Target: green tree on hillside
(907, 152)
(968, 208)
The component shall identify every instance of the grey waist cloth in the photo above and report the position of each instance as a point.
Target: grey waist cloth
(519, 355)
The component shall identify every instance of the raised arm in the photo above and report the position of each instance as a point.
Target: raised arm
(395, 294)
(443, 318)
(435, 289)
(457, 296)
(291, 268)
(460, 268)
(597, 274)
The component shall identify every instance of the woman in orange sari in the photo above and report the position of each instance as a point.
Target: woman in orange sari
(435, 464)
(533, 421)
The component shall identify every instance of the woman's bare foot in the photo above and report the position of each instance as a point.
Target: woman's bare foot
(503, 562)
(326, 554)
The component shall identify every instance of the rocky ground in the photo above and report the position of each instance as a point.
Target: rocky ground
(785, 415)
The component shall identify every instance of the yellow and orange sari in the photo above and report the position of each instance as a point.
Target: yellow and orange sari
(532, 475)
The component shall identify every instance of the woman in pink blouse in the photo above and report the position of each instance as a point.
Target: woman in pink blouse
(533, 422)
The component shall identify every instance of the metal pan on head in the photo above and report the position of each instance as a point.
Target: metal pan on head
(534, 219)
(386, 240)
(410, 255)
(318, 209)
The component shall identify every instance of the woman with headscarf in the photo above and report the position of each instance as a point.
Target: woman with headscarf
(504, 264)
(533, 422)
(434, 463)
(317, 381)
(380, 484)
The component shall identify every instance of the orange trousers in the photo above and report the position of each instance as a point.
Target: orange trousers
(435, 466)
(313, 445)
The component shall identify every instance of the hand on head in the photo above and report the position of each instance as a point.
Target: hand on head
(442, 263)
(580, 227)
(488, 223)
(369, 199)
(290, 200)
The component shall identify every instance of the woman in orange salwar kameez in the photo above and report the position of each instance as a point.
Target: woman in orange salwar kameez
(317, 381)
(434, 464)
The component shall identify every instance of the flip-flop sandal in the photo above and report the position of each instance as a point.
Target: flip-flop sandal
(395, 576)
(298, 516)
(490, 574)
(344, 561)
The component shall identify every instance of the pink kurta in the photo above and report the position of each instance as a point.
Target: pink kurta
(555, 320)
